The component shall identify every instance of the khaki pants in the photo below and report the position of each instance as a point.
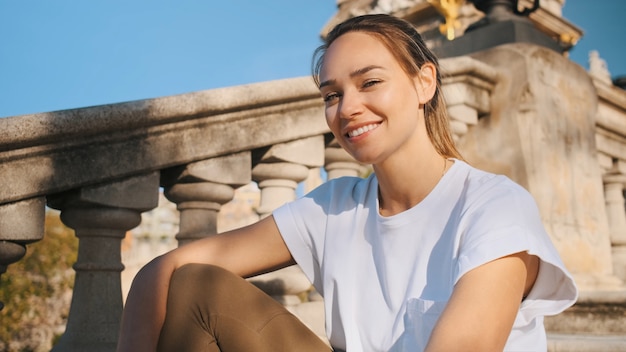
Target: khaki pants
(211, 309)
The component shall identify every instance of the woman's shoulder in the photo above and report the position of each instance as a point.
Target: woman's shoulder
(345, 186)
(336, 196)
(487, 191)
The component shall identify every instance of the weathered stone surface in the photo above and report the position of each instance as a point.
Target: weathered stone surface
(543, 108)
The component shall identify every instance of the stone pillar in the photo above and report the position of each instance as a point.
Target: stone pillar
(541, 133)
(201, 188)
(21, 223)
(338, 162)
(278, 171)
(616, 213)
(101, 215)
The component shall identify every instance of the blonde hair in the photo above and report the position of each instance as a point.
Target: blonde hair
(408, 47)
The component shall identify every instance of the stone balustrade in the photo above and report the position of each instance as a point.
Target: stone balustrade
(610, 135)
(103, 166)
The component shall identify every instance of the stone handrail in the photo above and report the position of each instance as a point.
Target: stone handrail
(51, 152)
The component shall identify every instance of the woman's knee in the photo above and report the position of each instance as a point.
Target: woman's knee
(195, 273)
(203, 284)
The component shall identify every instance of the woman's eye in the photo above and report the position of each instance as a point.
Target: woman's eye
(370, 83)
(330, 97)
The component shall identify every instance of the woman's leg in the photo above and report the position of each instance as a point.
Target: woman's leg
(211, 309)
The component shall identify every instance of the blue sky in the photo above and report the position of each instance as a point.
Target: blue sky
(62, 54)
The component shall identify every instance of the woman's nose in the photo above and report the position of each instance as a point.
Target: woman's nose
(350, 105)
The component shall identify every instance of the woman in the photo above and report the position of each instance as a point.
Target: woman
(427, 253)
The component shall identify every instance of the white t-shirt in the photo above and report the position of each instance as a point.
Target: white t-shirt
(386, 280)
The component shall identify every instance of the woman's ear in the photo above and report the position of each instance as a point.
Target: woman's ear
(426, 82)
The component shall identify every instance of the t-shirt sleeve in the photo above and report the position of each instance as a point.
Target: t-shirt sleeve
(505, 221)
(302, 224)
(299, 243)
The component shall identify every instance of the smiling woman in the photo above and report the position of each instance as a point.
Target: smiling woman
(426, 254)
(376, 82)
(410, 56)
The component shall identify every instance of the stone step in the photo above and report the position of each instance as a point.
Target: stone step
(595, 314)
(596, 323)
(586, 343)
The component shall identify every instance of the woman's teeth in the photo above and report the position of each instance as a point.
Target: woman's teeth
(359, 131)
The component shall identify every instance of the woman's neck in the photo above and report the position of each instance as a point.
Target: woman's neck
(404, 183)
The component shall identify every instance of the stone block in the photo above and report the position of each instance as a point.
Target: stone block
(306, 151)
(23, 221)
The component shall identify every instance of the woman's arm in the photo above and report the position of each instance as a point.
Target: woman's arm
(247, 251)
(484, 304)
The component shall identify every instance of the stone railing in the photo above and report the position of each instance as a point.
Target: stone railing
(103, 166)
(611, 144)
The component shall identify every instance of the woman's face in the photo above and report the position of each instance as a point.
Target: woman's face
(372, 105)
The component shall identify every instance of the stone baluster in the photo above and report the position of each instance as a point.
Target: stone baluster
(101, 215)
(278, 171)
(614, 186)
(201, 188)
(338, 162)
(20, 223)
(280, 167)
